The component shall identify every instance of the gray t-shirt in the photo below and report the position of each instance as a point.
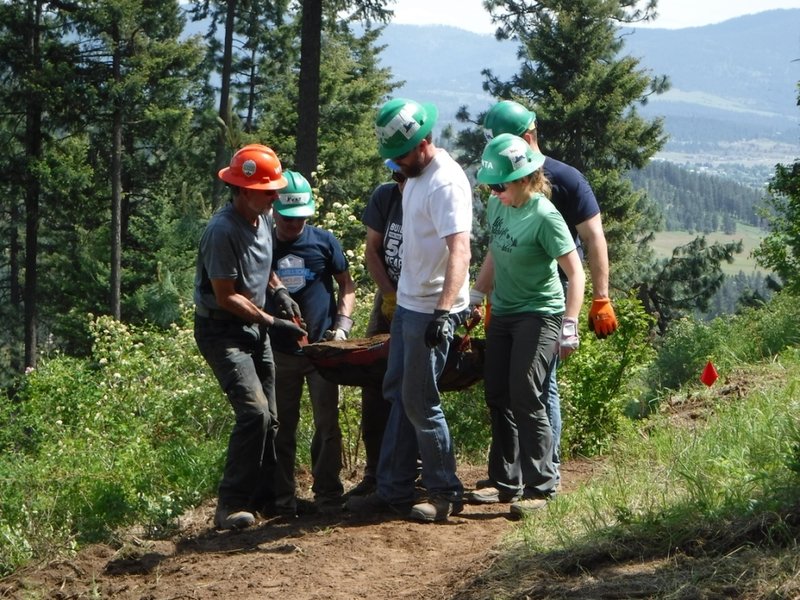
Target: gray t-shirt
(231, 248)
(384, 214)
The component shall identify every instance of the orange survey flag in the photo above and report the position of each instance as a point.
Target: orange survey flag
(709, 375)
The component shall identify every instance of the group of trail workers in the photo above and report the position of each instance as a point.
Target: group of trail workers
(267, 283)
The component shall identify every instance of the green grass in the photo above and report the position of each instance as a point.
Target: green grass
(666, 241)
(699, 501)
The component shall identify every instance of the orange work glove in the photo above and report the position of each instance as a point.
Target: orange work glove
(602, 319)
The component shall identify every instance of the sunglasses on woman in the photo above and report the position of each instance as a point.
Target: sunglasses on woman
(497, 188)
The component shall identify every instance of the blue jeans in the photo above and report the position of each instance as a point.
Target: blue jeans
(240, 356)
(416, 425)
(519, 351)
(326, 444)
(552, 402)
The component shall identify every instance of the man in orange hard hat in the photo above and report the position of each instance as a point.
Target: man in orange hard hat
(232, 279)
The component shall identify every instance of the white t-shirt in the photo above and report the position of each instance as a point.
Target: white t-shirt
(436, 204)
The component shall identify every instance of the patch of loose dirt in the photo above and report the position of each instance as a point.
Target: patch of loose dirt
(311, 557)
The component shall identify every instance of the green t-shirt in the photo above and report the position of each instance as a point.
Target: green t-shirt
(525, 242)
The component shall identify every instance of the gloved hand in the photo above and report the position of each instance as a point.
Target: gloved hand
(288, 327)
(602, 319)
(476, 297)
(341, 329)
(568, 341)
(286, 307)
(439, 329)
(388, 305)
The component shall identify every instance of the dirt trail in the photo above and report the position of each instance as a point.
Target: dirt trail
(333, 557)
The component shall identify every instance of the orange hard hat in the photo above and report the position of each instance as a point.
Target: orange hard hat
(256, 167)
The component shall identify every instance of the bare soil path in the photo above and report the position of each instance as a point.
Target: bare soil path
(332, 557)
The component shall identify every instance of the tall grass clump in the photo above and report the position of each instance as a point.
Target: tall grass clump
(751, 335)
(134, 434)
(714, 485)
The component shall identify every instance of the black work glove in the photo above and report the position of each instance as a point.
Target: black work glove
(439, 329)
(286, 307)
(288, 327)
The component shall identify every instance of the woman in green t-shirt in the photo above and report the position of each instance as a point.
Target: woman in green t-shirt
(530, 319)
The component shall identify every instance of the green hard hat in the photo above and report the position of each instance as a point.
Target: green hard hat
(296, 199)
(507, 117)
(508, 158)
(401, 124)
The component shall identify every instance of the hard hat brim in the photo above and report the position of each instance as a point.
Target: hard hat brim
(228, 176)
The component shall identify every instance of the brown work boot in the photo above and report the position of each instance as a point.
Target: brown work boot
(226, 518)
(529, 504)
(492, 495)
(437, 508)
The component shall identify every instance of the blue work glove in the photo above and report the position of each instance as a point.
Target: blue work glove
(439, 329)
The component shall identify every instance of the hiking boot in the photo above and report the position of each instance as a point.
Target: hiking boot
(484, 483)
(530, 504)
(492, 495)
(294, 508)
(364, 487)
(225, 518)
(329, 506)
(435, 509)
(374, 504)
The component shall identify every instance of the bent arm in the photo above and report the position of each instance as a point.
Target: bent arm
(572, 267)
(347, 293)
(375, 264)
(485, 281)
(229, 299)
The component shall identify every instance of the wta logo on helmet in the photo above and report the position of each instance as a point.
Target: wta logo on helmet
(517, 153)
(403, 122)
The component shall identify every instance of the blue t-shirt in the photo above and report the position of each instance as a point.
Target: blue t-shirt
(231, 248)
(384, 214)
(306, 267)
(572, 195)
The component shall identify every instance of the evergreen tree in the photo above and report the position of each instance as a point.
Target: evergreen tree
(584, 95)
(780, 250)
(313, 21)
(687, 281)
(38, 93)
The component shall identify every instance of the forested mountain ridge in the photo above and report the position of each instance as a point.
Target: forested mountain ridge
(733, 96)
(697, 201)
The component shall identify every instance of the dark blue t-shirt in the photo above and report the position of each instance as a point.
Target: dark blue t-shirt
(572, 195)
(306, 267)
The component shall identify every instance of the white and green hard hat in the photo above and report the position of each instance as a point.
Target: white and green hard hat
(401, 124)
(508, 117)
(296, 199)
(507, 158)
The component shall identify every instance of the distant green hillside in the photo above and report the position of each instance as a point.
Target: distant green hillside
(750, 236)
(693, 200)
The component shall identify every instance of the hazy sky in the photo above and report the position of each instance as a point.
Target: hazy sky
(673, 14)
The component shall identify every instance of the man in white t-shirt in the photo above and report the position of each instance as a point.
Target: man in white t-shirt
(432, 298)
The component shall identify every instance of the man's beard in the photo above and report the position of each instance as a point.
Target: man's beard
(414, 170)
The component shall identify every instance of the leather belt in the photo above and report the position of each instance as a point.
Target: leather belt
(215, 313)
